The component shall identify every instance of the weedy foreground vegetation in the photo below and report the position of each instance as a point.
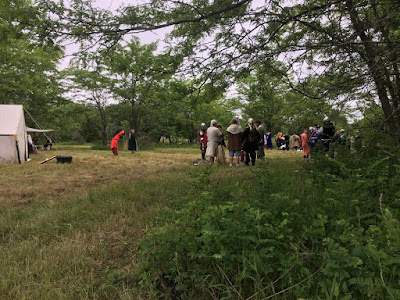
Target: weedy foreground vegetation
(150, 226)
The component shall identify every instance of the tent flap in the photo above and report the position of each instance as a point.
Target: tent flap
(28, 129)
(13, 133)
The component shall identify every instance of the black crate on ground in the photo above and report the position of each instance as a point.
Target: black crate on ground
(64, 159)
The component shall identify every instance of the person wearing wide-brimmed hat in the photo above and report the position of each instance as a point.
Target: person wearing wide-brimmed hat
(342, 137)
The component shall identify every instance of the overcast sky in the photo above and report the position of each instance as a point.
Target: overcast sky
(145, 37)
(113, 5)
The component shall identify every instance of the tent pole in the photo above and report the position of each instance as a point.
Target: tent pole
(16, 144)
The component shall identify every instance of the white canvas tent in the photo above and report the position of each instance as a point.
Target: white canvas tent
(13, 139)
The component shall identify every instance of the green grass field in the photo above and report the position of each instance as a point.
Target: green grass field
(70, 231)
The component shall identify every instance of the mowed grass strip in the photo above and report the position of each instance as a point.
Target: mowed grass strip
(31, 181)
(84, 244)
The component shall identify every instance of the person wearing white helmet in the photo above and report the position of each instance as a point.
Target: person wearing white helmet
(203, 140)
(213, 137)
(235, 133)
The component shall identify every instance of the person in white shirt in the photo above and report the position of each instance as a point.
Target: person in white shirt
(213, 137)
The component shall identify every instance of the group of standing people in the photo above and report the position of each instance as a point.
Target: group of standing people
(321, 138)
(244, 144)
(326, 140)
(249, 144)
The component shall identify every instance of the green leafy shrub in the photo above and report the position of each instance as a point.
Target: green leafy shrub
(205, 244)
(333, 235)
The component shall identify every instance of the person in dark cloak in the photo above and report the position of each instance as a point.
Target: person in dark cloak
(287, 141)
(261, 131)
(327, 132)
(269, 141)
(132, 142)
(251, 139)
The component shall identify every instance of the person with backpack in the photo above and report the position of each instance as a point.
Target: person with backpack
(250, 140)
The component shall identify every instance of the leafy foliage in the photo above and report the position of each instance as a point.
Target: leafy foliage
(27, 61)
(329, 237)
(340, 51)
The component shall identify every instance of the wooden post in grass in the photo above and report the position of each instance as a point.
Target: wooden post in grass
(47, 160)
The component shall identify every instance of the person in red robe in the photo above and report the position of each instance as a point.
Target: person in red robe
(304, 143)
(114, 142)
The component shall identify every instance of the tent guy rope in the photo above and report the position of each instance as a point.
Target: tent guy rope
(40, 127)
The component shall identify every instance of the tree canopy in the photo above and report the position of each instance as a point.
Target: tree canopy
(331, 50)
(28, 62)
(306, 57)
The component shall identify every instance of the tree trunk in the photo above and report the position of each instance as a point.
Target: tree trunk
(103, 121)
(134, 115)
(104, 135)
(377, 68)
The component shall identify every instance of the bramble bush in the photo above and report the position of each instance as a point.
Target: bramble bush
(332, 233)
